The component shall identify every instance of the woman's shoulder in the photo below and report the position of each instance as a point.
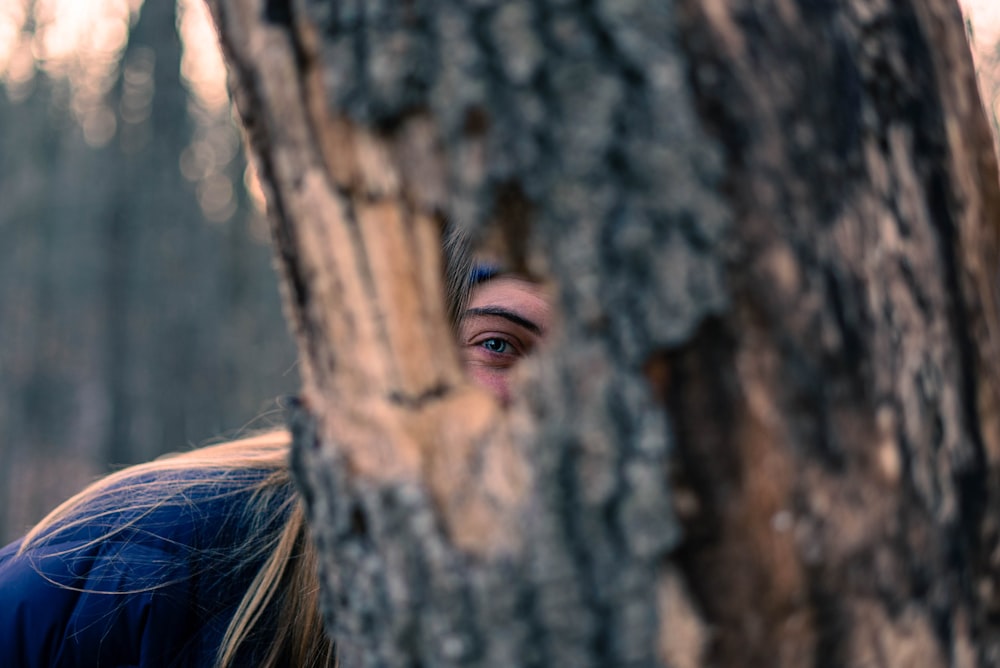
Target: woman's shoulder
(152, 528)
(101, 603)
(173, 509)
(153, 557)
(184, 499)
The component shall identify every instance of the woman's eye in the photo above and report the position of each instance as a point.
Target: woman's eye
(496, 345)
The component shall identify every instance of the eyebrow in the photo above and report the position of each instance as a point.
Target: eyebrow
(506, 314)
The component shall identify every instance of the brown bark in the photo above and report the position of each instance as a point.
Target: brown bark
(765, 431)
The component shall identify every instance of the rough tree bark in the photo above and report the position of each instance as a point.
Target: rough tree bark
(765, 432)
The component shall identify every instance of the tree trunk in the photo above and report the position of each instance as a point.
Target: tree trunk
(765, 432)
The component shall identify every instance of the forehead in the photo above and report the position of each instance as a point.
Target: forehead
(511, 292)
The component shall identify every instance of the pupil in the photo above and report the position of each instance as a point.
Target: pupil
(495, 345)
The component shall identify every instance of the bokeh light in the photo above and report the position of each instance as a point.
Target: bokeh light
(80, 42)
(202, 66)
(208, 160)
(13, 16)
(985, 18)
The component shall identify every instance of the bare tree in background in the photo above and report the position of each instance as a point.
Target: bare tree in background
(766, 430)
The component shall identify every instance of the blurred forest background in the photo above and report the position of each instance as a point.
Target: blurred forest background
(139, 313)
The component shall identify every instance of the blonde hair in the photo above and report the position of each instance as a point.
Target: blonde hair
(284, 593)
(285, 589)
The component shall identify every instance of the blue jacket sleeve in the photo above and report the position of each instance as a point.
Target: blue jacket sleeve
(149, 585)
(72, 605)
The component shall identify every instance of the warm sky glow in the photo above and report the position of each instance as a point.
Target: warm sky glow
(202, 65)
(81, 41)
(12, 17)
(985, 15)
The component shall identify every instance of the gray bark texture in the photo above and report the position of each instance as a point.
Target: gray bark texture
(765, 431)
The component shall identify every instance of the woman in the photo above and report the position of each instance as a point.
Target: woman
(203, 558)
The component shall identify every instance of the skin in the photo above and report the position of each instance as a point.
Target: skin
(506, 318)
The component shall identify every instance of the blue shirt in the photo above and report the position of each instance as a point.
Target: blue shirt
(153, 582)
